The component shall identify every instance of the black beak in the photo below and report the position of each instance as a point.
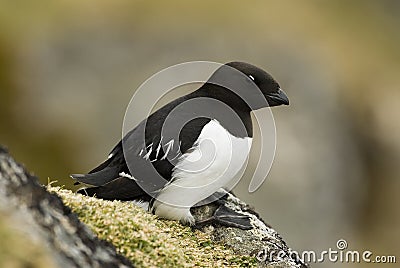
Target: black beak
(277, 98)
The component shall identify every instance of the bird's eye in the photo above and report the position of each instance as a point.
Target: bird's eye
(251, 77)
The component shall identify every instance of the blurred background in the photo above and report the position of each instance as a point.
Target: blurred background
(69, 68)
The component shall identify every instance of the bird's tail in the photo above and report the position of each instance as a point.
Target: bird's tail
(102, 174)
(119, 189)
(98, 178)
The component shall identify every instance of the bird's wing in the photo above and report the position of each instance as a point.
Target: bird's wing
(150, 153)
(114, 180)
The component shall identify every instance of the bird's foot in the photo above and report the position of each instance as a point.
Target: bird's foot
(226, 217)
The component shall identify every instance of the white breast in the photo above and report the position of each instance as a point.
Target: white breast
(217, 160)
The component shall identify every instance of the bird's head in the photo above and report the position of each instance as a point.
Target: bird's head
(249, 83)
(264, 81)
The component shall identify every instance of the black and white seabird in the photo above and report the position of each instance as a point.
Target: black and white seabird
(208, 152)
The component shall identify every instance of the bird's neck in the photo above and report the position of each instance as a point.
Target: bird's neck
(233, 113)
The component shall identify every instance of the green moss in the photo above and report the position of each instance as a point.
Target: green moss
(147, 240)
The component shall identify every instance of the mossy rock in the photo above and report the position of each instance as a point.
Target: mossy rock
(147, 240)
